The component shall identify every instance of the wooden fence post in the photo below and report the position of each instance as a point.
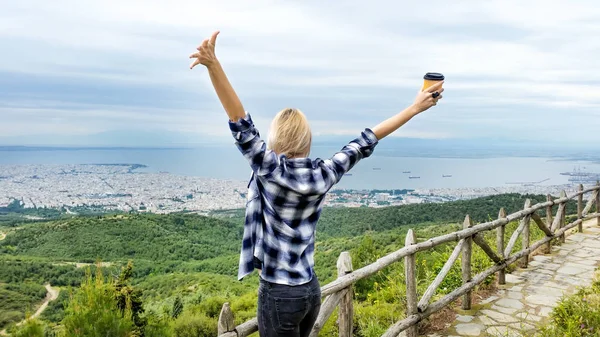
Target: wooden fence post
(500, 246)
(548, 248)
(598, 204)
(346, 309)
(563, 216)
(226, 323)
(525, 238)
(410, 270)
(580, 208)
(466, 264)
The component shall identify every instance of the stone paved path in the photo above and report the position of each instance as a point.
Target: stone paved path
(529, 294)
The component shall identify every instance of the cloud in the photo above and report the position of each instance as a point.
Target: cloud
(513, 68)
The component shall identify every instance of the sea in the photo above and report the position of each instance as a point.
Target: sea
(379, 171)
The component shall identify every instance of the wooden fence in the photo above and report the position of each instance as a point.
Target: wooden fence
(339, 292)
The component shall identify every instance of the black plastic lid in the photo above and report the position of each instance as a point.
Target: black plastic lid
(434, 77)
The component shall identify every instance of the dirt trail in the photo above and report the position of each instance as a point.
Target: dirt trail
(50, 296)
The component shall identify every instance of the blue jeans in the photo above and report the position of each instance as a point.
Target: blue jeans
(288, 310)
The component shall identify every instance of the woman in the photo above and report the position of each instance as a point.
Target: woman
(285, 198)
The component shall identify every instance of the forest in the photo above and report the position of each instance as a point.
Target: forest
(178, 269)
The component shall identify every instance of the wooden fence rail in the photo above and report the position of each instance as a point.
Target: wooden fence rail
(339, 292)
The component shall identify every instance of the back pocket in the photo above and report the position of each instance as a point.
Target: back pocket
(290, 312)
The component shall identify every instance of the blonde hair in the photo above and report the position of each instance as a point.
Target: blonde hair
(290, 134)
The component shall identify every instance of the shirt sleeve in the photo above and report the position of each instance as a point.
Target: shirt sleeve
(253, 148)
(349, 155)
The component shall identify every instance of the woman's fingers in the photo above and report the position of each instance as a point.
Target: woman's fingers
(213, 38)
(195, 55)
(435, 87)
(203, 44)
(195, 63)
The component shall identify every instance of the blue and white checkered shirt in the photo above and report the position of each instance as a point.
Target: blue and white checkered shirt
(285, 198)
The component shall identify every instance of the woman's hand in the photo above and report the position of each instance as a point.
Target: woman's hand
(428, 98)
(206, 52)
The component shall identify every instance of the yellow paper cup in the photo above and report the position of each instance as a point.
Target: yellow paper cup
(430, 79)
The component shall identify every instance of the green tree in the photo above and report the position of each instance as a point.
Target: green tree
(129, 299)
(92, 311)
(177, 308)
(363, 255)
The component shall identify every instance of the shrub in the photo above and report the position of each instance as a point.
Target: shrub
(31, 328)
(194, 325)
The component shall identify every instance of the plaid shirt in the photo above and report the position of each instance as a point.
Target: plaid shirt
(285, 198)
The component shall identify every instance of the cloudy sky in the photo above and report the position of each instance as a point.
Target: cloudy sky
(83, 71)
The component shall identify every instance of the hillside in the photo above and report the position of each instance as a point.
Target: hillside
(193, 259)
(147, 236)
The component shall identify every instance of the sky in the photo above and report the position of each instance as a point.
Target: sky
(93, 72)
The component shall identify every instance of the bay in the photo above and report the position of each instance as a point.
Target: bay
(380, 171)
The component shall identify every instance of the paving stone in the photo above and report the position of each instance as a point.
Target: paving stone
(464, 318)
(498, 316)
(528, 316)
(510, 278)
(545, 311)
(487, 321)
(557, 285)
(546, 271)
(489, 300)
(539, 279)
(534, 289)
(535, 263)
(548, 300)
(586, 252)
(590, 243)
(580, 265)
(508, 311)
(542, 258)
(515, 295)
(510, 303)
(577, 237)
(516, 288)
(570, 280)
(521, 326)
(550, 266)
(469, 329)
(502, 331)
(570, 270)
(588, 262)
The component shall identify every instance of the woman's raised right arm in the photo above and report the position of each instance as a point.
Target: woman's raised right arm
(229, 99)
(363, 146)
(423, 101)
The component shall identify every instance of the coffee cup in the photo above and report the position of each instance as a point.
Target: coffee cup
(430, 79)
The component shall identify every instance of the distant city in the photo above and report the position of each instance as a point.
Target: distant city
(122, 187)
